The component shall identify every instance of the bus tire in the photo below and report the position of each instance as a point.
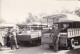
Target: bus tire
(72, 45)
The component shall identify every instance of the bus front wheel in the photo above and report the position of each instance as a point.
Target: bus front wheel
(70, 44)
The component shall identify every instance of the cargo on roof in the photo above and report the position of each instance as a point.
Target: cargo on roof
(64, 17)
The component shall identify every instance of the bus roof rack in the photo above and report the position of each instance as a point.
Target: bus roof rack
(64, 17)
(57, 16)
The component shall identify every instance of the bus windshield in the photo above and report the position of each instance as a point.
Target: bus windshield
(63, 27)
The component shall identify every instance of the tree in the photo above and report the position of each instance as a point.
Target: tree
(77, 12)
(31, 18)
(67, 11)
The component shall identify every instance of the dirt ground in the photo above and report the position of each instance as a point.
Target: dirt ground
(42, 49)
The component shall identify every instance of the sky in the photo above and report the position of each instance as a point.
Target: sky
(16, 11)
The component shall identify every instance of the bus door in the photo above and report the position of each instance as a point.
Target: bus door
(46, 36)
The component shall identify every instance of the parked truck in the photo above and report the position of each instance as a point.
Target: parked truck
(69, 31)
(29, 34)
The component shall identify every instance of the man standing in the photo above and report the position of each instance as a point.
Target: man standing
(8, 37)
(1, 40)
(55, 35)
(13, 38)
(56, 40)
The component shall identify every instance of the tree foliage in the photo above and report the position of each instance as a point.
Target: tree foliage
(77, 12)
(31, 18)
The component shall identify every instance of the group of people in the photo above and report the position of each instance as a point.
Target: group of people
(11, 38)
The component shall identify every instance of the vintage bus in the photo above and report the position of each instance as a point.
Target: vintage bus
(69, 34)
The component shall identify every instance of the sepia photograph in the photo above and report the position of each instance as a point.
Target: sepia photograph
(39, 27)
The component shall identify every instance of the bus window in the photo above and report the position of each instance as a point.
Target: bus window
(64, 27)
